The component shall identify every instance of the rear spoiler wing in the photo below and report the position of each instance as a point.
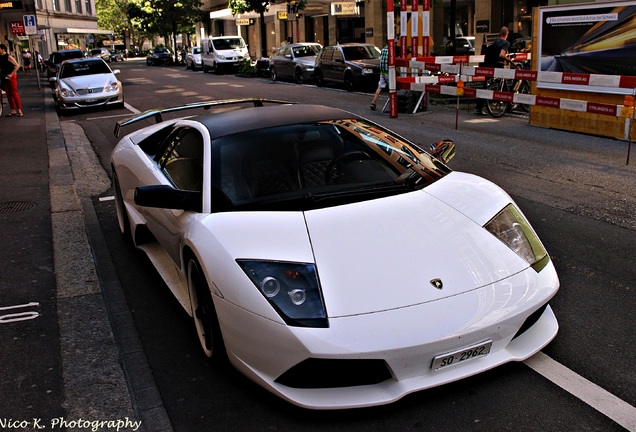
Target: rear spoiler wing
(157, 114)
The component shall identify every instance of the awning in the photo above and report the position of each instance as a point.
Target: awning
(85, 31)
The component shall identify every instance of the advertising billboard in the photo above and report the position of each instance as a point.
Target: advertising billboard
(597, 38)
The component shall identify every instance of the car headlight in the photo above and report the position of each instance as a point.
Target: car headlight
(66, 91)
(222, 57)
(367, 71)
(112, 87)
(292, 289)
(514, 231)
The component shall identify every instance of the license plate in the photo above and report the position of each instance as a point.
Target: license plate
(462, 355)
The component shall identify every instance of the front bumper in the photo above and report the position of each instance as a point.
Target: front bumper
(75, 103)
(395, 347)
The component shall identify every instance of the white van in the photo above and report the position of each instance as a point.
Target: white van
(223, 53)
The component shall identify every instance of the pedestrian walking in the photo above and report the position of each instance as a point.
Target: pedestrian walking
(26, 61)
(384, 75)
(496, 56)
(9, 68)
(40, 61)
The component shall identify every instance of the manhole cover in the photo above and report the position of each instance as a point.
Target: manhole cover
(15, 206)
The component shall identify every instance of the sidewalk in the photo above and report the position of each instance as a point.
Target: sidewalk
(63, 363)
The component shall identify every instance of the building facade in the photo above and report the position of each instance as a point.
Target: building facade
(61, 24)
(327, 22)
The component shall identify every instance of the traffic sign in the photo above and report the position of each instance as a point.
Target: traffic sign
(30, 26)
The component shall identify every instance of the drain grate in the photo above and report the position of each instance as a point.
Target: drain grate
(15, 206)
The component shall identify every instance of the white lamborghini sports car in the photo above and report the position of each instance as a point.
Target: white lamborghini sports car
(335, 263)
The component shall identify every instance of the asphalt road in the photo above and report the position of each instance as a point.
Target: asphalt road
(577, 192)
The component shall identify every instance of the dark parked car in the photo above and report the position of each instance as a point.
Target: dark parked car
(116, 55)
(464, 46)
(355, 65)
(57, 57)
(521, 45)
(160, 56)
(294, 61)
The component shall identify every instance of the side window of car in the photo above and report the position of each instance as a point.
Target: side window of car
(182, 160)
(287, 52)
(327, 54)
(337, 55)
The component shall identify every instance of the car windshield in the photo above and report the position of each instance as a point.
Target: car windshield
(70, 70)
(228, 43)
(361, 52)
(306, 51)
(61, 56)
(161, 51)
(306, 166)
(96, 51)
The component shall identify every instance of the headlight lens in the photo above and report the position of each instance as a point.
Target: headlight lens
(66, 91)
(112, 87)
(367, 71)
(292, 289)
(514, 231)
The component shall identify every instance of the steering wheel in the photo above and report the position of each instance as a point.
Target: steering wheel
(331, 173)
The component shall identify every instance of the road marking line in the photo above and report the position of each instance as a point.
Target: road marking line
(603, 401)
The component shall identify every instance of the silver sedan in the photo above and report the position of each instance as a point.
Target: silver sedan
(84, 83)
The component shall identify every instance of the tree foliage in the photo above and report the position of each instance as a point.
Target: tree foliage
(163, 17)
(260, 6)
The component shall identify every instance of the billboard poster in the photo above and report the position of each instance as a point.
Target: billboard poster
(587, 38)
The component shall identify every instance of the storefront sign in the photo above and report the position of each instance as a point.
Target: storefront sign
(17, 27)
(11, 5)
(282, 15)
(244, 21)
(344, 8)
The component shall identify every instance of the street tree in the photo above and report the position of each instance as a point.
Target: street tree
(114, 15)
(260, 7)
(167, 17)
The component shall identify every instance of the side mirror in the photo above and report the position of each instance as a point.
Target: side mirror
(444, 150)
(167, 197)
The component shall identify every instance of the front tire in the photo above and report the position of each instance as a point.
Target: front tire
(272, 73)
(349, 81)
(298, 76)
(206, 321)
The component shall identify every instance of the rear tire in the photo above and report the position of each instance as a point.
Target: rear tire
(320, 80)
(272, 73)
(120, 209)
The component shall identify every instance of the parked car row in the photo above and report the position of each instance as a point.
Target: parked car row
(355, 65)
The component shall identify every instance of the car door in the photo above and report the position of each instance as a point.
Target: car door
(337, 65)
(326, 63)
(180, 163)
(287, 63)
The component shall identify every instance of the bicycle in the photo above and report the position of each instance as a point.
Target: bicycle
(498, 108)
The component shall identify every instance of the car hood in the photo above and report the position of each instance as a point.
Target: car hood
(386, 253)
(89, 81)
(309, 61)
(367, 63)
